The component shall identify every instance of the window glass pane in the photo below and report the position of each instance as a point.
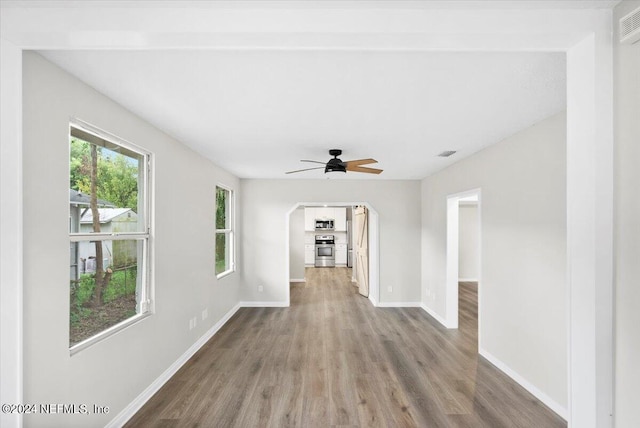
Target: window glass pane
(104, 182)
(222, 251)
(224, 234)
(107, 292)
(222, 208)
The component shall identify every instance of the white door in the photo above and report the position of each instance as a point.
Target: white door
(361, 247)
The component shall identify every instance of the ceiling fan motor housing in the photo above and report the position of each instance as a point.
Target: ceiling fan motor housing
(335, 165)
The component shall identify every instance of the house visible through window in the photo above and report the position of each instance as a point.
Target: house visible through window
(224, 231)
(108, 234)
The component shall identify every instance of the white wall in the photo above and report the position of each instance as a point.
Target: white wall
(523, 249)
(296, 244)
(468, 243)
(627, 236)
(116, 370)
(11, 343)
(264, 245)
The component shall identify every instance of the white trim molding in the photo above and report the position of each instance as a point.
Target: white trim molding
(128, 412)
(548, 401)
(399, 304)
(372, 299)
(433, 314)
(273, 304)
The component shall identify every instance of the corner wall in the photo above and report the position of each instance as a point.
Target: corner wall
(523, 285)
(296, 245)
(116, 370)
(627, 220)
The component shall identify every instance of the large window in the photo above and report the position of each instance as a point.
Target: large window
(224, 232)
(108, 233)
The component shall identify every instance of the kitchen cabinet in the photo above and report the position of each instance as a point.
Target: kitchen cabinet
(324, 213)
(310, 219)
(340, 237)
(309, 254)
(341, 254)
(340, 216)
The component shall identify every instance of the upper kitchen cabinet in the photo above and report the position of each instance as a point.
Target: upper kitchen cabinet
(340, 216)
(309, 219)
(325, 213)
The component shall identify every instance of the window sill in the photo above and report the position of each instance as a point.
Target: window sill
(107, 333)
(225, 273)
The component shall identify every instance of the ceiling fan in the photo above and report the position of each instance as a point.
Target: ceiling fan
(337, 165)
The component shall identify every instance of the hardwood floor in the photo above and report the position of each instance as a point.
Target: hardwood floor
(332, 359)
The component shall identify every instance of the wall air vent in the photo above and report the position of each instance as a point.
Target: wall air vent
(447, 153)
(630, 27)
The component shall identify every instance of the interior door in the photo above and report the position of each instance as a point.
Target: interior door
(361, 247)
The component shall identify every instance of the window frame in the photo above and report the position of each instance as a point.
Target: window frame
(145, 169)
(229, 231)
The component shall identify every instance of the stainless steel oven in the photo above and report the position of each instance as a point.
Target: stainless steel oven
(325, 251)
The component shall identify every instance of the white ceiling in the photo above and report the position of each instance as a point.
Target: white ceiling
(256, 113)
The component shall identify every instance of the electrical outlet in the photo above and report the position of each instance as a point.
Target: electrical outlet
(205, 314)
(390, 289)
(260, 288)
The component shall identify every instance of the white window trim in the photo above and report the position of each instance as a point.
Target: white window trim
(147, 304)
(230, 231)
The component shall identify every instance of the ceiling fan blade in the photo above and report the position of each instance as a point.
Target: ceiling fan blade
(312, 161)
(364, 169)
(307, 169)
(359, 162)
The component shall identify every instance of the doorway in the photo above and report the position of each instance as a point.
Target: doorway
(471, 266)
(296, 245)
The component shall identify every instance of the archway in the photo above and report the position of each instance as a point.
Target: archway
(374, 245)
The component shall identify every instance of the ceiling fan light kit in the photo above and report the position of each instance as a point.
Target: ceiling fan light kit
(337, 165)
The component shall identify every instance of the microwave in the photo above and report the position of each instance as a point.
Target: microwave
(324, 224)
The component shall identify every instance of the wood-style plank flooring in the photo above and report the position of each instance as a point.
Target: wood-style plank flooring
(332, 359)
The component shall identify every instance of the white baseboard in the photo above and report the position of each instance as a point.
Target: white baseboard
(433, 314)
(398, 304)
(467, 279)
(297, 280)
(372, 299)
(141, 399)
(264, 304)
(548, 401)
